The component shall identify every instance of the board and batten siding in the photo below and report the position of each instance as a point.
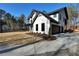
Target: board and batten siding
(56, 18)
(39, 20)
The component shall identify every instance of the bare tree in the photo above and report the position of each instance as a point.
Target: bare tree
(73, 10)
(21, 21)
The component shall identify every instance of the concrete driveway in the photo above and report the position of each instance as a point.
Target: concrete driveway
(40, 48)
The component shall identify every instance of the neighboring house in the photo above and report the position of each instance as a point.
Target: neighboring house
(48, 23)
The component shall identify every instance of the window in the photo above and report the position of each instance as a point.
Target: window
(43, 27)
(36, 27)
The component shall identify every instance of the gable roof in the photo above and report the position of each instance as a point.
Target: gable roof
(45, 14)
(58, 10)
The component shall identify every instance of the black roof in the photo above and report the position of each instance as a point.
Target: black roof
(45, 14)
(58, 10)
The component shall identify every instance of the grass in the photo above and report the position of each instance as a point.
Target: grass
(12, 36)
(16, 38)
(20, 38)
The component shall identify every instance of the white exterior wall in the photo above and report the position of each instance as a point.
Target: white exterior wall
(41, 19)
(56, 18)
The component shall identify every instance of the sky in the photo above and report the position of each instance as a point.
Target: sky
(17, 9)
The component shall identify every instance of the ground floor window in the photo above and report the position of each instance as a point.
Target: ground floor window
(36, 27)
(43, 27)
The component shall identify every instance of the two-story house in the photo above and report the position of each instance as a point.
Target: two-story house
(48, 23)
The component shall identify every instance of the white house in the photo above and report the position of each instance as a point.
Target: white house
(48, 23)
